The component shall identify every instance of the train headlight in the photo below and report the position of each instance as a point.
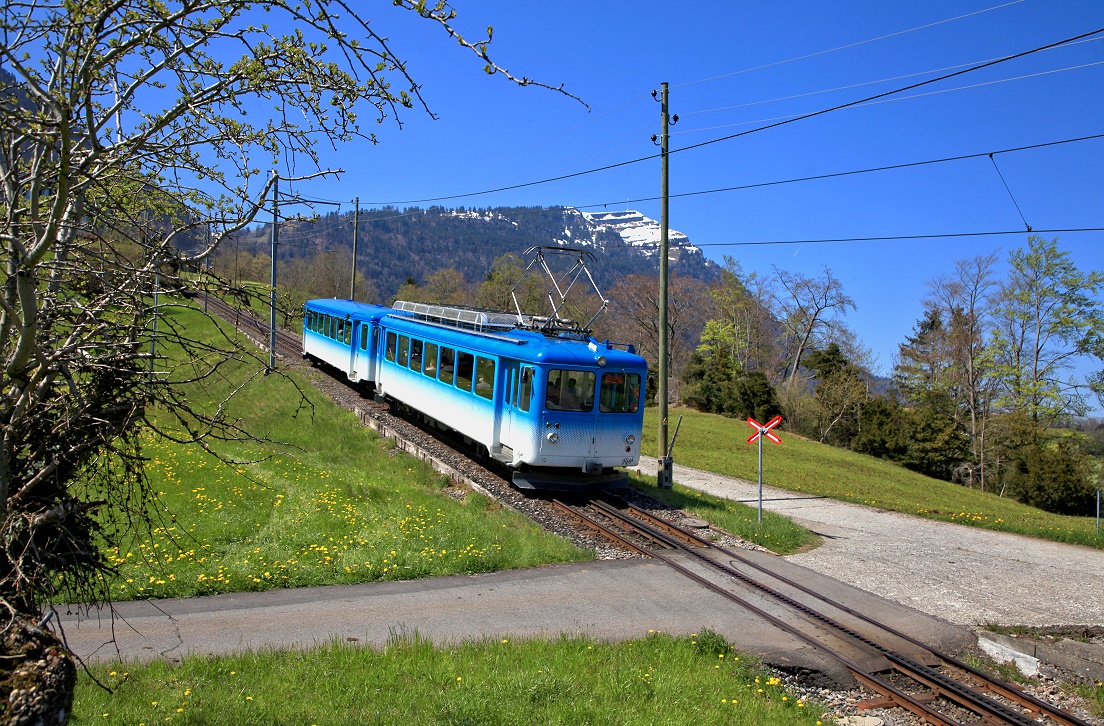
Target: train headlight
(601, 360)
(553, 437)
(630, 439)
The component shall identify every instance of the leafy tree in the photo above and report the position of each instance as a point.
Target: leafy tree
(924, 363)
(839, 394)
(497, 292)
(131, 147)
(717, 386)
(884, 429)
(741, 318)
(444, 287)
(1048, 314)
(1056, 479)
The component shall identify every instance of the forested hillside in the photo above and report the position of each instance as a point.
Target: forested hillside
(394, 246)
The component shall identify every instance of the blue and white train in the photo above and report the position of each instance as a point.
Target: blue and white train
(561, 410)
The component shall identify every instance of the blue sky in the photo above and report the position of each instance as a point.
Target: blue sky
(490, 133)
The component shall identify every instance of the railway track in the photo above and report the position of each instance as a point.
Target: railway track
(906, 673)
(288, 344)
(935, 686)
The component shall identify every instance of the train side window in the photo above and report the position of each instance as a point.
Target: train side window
(465, 367)
(389, 352)
(512, 391)
(332, 327)
(526, 388)
(314, 322)
(404, 351)
(416, 355)
(620, 393)
(448, 361)
(484, 377)
(364, 336)
(430, 360)
(348, 336)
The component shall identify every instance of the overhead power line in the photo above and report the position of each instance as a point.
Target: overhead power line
(849, 45)
(892, 238)
(851, 172)
(748, 132)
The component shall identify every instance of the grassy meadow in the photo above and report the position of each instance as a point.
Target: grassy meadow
(656, 679)
(718, 444)
(326, 502)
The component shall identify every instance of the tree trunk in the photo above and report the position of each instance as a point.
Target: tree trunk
(37, 677)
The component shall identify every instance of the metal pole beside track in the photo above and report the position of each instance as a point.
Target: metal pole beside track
(761, 432)
(275, 243)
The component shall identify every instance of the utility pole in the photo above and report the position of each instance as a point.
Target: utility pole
(664, 470)
(206, 278)
(275, 243)
(356, 226)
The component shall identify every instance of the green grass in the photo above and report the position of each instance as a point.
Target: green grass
(329, 504)
(656, 679)
(777, 533)
(718, 444)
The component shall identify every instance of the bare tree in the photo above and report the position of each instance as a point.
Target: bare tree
(634, 318)
(963, 301)
(131, 147)
(809, 307)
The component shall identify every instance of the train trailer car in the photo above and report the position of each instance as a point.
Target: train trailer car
(343, 334)
(561, 410)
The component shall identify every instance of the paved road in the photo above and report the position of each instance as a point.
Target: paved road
(966, 575)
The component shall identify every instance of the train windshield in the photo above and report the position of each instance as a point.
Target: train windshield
(620, 393)
(570, 391)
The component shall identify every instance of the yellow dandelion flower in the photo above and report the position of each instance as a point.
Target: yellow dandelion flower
(458, 678)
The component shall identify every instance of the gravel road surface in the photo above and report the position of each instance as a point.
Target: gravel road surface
(966, 575)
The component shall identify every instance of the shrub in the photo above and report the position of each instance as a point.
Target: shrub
(1055, 479)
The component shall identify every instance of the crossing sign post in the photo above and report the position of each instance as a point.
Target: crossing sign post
(763, 431)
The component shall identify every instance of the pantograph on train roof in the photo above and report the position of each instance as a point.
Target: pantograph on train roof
(482, 320)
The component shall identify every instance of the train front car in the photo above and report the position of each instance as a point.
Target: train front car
(585, 418)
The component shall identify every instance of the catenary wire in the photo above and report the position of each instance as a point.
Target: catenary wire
(690, 83)
(365, 219)
(891, 238)
(904, 98)
(859, 85)
(740, 134)
(845, 47)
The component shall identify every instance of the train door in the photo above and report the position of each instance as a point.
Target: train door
(362, 352)
(506, 426)
(516, 404)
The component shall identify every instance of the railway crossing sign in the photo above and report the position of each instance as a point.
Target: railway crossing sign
(761, 431)
(764, 429)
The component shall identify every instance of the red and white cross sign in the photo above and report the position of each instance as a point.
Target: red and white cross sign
(764, 429)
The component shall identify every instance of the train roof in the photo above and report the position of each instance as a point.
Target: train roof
(527, 345)
(349, 308)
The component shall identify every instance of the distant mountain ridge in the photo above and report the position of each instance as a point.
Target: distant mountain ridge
(415, 243)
